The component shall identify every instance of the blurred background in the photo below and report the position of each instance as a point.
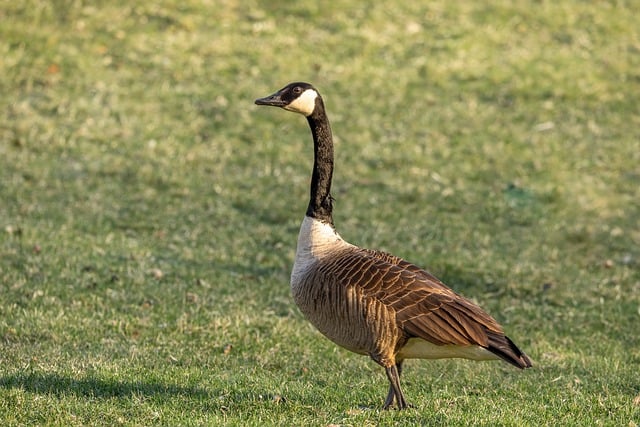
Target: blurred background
(149, 211)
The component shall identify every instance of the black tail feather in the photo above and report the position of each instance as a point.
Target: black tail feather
(503, 347)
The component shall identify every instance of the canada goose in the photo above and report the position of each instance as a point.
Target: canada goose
(371, 302)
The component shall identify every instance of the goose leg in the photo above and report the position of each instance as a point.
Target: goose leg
(390, 396)
(393, 374)
(389, 400)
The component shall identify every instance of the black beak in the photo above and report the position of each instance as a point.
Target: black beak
(274, 100)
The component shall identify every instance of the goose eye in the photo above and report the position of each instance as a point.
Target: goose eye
(297, 90)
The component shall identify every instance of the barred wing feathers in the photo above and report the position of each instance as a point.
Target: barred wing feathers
(424, 307)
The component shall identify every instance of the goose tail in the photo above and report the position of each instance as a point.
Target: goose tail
(504, 348)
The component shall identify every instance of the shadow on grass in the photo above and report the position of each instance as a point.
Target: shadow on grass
(59, 385)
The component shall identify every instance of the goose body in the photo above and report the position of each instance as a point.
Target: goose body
(371, 302)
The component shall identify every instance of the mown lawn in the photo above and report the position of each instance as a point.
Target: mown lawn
(149, 211)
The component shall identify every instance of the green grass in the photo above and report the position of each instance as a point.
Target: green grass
(149, 211)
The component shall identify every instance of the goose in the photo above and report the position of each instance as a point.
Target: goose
(371, 302)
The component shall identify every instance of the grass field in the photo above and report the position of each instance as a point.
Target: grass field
(149, 211)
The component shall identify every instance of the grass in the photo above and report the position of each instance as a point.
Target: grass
(149, 211)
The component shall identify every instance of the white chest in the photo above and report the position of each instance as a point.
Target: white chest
(315, 241)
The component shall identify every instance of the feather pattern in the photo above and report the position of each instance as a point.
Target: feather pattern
(372, 302)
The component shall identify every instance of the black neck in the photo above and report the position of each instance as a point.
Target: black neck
(320, 203)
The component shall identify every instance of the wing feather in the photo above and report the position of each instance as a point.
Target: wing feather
(423, 306)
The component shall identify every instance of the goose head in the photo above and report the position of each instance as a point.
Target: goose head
(298, 97)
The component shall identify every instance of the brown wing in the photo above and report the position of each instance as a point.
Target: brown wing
(406, 265)
(425, 307)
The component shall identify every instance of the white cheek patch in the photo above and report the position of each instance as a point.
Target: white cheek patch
(304, 104)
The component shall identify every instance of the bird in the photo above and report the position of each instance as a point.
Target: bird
(368, 301)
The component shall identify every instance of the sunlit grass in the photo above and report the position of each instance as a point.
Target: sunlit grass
(149, 212)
